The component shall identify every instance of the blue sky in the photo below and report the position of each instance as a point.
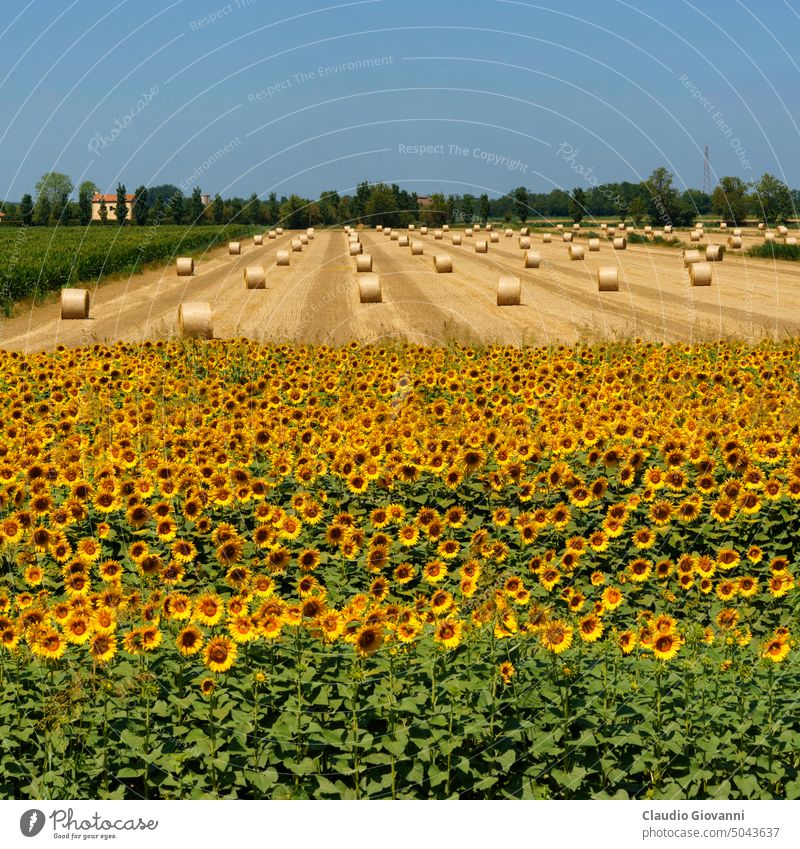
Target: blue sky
(474, 96)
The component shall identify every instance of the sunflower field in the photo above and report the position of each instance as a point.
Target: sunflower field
(237, 571)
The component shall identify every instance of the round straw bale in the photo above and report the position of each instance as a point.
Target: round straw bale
(303, 239)
(576, 227)
(567, 236)
(531, 259)
(594, 244)
(737, 231)
(417, 247)
(620, 243)
(668, 228)
(297, 245)
(258, 239)
(456, 238)
(394, 236)
(364, 262)
(621, 226)
(410, 226)
(524, 242)
(489, 227)
(700, 274)
(790, 240)
(559, 226)
(234, 248)
(446, 228)
(356, 248)
(714, 253)
(423, 231)
(194, 320)
(782, 230)
(279, 230)
(74, 303)
(185, 266)
(494, 237)
(468, 232)
(735, 242)
(477, 226)
(369, 288)
(604, 226)
(310, 232)
(437, 234)
(509, 232)
(403, 242)
(762, 226)
(546, 238)
(443, 263)
(272, 234)
(379, 228)
(769, 236)
(282, 258)
(658, 234)
(576, 251)
(723, 225)
(524, 231)
(254, 277)
(629, 229)
(691, 256)
(509, 291)
(607, 278)
(648, 230)
(387, 231)
(481, 246)
(695, 235)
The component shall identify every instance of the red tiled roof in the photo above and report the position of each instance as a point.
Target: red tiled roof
(97, 197)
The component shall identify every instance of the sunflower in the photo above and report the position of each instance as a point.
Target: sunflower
(775, 650)
(207, 686)
(441, 601)
(77, 629)
(103, 647)
(434, 572)
(242, 628)
(506, 671)
(270, 626)
(49, 644)
(612, 598)
(448, 633)
(666, 646)
(556, 636)
(220, 654)
(590, 628)
(208, 609)
(367, 640)
(626, 641)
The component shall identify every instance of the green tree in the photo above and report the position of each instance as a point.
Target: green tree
(177, 208)
(102, 210)
(53, 186)
(730, 201)
(26, 210)
(217, 209)
(86, 192)
(294, 213)
(363, 192)
(139, 210)
(662, 198)
(638, 210)
(483, 208)
(121, 211)
(194, 206)
(273, 208)
(467, 208)
(42, 210)
(234, 212)
(577, 204)
(773, 199)
(436, 214)
(380, 206)
(329, 206)
(158, 211)
(521, 208)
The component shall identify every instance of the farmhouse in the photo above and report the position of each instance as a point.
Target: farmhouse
(111, 206)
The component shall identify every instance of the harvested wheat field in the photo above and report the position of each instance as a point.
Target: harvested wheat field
(316, 298)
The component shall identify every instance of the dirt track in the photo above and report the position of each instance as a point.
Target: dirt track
(315, 300)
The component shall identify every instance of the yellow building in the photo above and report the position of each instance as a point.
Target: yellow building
(111, 206)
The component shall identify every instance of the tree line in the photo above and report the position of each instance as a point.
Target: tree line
(652, 201)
